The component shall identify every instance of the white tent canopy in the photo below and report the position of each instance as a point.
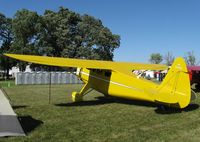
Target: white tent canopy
(9, 124)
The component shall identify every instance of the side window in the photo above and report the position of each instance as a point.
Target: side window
(108, 74)
(99, 71)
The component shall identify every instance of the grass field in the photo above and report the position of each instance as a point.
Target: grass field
(97, 119)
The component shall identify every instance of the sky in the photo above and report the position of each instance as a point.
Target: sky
(145, 26)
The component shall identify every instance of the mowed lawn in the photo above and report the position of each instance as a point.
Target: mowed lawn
(97, 119)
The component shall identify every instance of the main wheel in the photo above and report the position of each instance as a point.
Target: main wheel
(76, 97)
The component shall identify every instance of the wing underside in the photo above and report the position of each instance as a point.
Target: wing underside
(123, 67)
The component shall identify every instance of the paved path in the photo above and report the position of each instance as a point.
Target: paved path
(9, 124)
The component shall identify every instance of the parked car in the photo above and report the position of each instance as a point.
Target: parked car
(194, 73)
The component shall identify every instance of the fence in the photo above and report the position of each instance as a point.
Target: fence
(44, 78)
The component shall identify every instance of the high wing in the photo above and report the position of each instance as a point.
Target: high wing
(123, 67)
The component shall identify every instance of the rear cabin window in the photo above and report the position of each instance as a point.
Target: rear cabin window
(98, 71)
(108, 74)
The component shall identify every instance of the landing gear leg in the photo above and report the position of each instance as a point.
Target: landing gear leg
(78, 96)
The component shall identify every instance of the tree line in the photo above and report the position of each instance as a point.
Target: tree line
(157, 58)
(60, 34)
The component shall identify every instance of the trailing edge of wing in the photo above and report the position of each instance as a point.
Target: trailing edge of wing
(124, 67)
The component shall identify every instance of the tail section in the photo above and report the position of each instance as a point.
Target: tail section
(175, 89)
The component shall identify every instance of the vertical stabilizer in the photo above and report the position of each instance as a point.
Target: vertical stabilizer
(175, 88)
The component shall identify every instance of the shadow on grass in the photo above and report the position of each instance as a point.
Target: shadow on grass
(108, 100)
(99, 101)
(168, 110)
(160, 109)
(19, 106)
(136, 102)
(28, 123)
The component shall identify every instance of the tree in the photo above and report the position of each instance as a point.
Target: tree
(2, 25)
(56, 32)
(156, 58)
(62, 34)
(97, 38)
(191, 59)
(24, 27)
(6, 38)
(68, 34)
(169, 58)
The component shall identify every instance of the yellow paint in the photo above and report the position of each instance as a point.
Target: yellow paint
(117, 79)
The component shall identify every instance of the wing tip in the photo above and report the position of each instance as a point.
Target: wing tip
(12, 55)
(8, 55)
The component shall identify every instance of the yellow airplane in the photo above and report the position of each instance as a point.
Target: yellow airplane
(116, 79)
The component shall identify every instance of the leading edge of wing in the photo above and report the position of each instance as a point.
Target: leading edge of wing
(124, 67)
(61, 62)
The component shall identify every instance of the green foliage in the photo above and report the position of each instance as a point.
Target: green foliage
(156, 58)
(68, 34)
(169, 58)
(95, 35)
(62, 34)
(2, 26)
(57, 31)
(6, 39)
(24, 27)
(190, 59)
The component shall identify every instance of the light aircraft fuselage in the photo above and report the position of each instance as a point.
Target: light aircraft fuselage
(114, 83)
(116, 79)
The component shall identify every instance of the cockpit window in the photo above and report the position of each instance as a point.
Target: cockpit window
(107, 73)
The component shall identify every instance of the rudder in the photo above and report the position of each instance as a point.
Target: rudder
(175, 89)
